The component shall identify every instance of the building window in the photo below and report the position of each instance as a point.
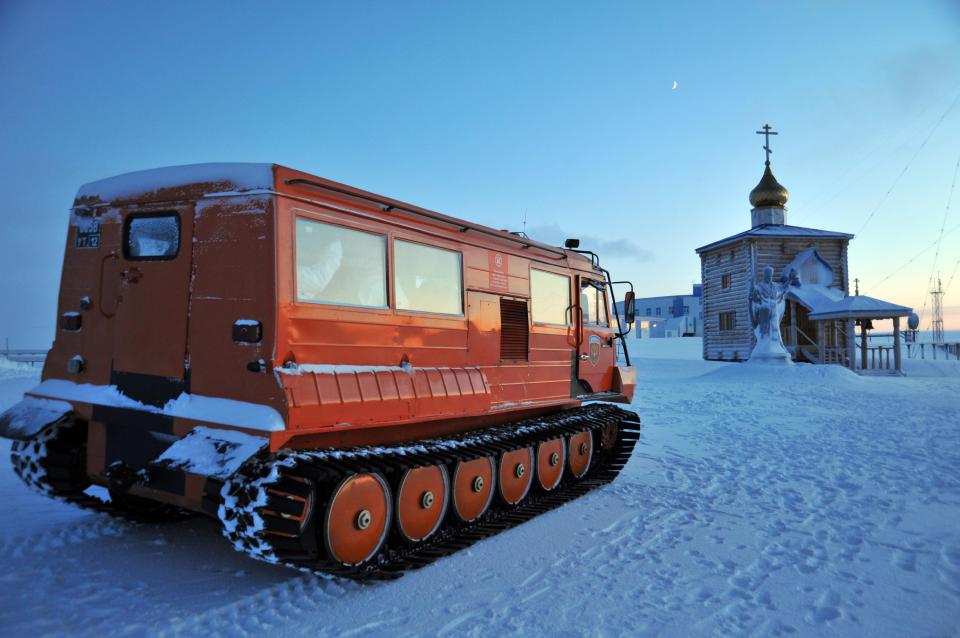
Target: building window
(725, 281)
(648, 312)
(733, 255)
(337, 265)
(658, 312)
(550, 295)
(686, 310)
(728, 321)
(427, 279)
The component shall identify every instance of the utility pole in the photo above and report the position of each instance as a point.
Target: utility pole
(937, 323)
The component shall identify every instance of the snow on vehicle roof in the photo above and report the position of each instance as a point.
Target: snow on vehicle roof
(776, 230)
(234, 176)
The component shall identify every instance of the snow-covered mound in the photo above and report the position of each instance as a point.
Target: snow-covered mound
(10, 369)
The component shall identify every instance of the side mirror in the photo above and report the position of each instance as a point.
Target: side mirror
(629, 307)
(572, 243)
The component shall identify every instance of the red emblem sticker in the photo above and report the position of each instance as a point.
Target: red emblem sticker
(594, 350)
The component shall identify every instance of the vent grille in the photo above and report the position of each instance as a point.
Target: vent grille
(514, 330)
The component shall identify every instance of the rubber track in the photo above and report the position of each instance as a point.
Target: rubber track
(244, 495)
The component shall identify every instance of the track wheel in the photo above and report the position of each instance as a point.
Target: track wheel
(516, 474)
(579, 453)
(551, 457)
(422, 499)
(608, 435)
(472, 488)
(357, 518)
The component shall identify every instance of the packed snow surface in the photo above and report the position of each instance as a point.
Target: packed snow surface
(787, 501)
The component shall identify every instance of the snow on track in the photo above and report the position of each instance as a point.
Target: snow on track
(810, 502)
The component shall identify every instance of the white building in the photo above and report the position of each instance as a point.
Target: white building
(669, 316)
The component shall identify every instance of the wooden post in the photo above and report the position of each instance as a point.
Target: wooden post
(793, 324)
(821, 341)
(851, 346)
(896, 343)
(863, 345)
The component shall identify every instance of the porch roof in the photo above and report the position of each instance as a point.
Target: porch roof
(861, 307)
(826, 302)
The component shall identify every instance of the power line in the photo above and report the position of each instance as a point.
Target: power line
(914, 258)
(943, 224)
(909, 163)
(950, 281)
(828, 193)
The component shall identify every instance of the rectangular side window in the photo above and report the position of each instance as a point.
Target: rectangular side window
(550, 294)
(152, 237)
(427, 279)
(725, 281)
(337, 265)
(728, 321)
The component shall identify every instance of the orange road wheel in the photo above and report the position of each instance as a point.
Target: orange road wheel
(608, 435)
(357, 518)
(422, 501)
(516, 474)
(472, 488)
(551, 457)
(579, 453)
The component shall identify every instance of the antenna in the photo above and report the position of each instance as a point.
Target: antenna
(937, 324)
(524, 222)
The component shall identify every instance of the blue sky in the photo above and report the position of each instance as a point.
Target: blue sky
(560, 111)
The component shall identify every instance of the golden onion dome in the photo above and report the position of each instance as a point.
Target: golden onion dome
(769, 192)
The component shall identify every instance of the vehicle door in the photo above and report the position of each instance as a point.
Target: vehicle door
(596, 352)
(145, 294)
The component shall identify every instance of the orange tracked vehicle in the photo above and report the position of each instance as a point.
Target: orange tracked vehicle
(347, 382)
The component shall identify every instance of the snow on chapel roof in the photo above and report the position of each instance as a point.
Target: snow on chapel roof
(861, 307)
(776, 230)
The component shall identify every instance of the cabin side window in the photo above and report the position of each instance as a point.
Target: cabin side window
(427, 279)
(550, 297)
(338, 265)
(593, 302)
(152, 236)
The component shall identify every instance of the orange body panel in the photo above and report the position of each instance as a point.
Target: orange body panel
(332, 374)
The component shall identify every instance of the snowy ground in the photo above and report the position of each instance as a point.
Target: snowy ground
(806, 502)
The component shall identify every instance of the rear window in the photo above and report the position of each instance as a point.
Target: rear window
(152, 237)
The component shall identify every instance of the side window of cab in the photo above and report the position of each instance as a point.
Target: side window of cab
(593, 302)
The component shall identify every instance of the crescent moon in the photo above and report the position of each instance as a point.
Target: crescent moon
(674, 86)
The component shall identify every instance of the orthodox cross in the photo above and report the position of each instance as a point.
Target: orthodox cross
(767, 132)
(856, 282)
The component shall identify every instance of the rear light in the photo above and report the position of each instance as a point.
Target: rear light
(76, 365)
(247, 331)
(70, 321)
